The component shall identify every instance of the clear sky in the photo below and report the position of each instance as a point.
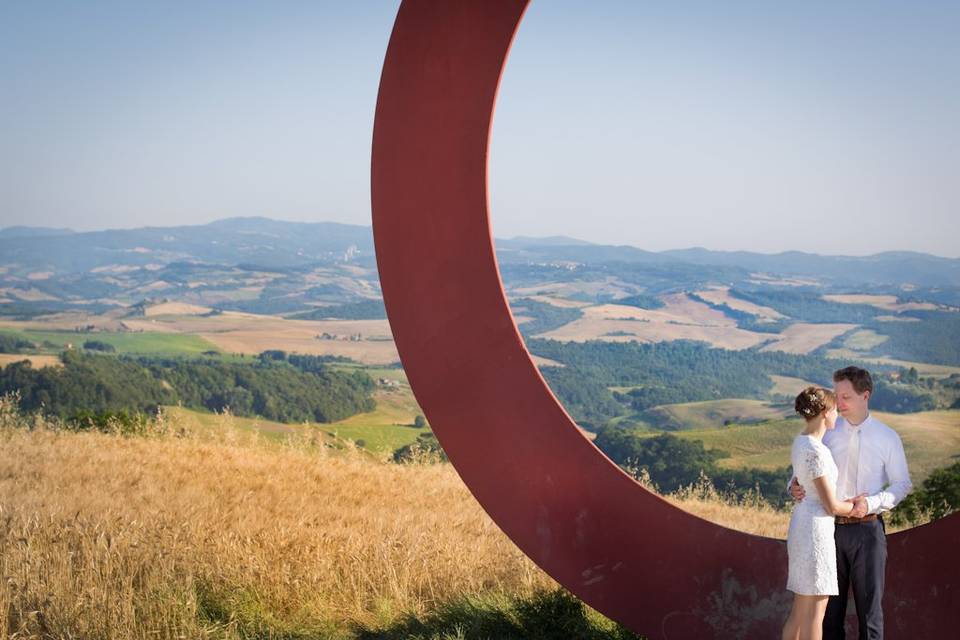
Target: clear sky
(829, 127)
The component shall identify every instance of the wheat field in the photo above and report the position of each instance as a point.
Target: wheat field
(218, 533)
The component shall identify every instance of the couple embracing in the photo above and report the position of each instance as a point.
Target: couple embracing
(848, 471)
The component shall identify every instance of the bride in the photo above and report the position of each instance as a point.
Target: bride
(812, 575)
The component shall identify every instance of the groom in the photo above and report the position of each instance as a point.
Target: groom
(870, 459)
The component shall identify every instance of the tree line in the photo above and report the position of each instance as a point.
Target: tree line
(286, 390)
(672, 462)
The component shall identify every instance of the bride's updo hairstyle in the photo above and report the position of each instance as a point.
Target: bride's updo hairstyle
(813, 401)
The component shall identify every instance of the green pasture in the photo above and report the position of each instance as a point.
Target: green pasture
(931, 439)
(147, 343)
(383, 430)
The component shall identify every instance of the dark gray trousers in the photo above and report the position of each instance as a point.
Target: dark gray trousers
(861, 562)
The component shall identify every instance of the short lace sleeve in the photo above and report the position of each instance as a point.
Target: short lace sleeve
(814, 463)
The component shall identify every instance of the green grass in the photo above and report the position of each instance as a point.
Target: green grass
(268, 429)
(383, 430)
(746, 442)
(147, 343)
(544, 615)
(710, 414)
(547, 615)
(386, 428)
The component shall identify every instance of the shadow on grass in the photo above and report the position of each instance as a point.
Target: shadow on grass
(548, 615)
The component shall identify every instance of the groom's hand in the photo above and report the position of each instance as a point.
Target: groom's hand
(860, 507)
(796, 490)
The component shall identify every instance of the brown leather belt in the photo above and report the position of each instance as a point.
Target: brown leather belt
(846, 520)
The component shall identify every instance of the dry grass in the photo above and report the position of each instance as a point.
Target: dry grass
(721, 295)
(788, 386)
(888, 303)
(682, 318)
(561, 302)
(924, 369)
(111, 537)
(36, 362)
(181, 534)
(174, 308)
(27, 295)
(804, 337)
(765, 278)
(864, 340)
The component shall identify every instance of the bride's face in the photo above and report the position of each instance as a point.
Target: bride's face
(831, 418)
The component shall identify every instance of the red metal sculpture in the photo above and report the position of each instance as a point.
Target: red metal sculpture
(620, 548)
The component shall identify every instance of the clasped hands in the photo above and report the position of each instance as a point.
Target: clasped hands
(860, 506)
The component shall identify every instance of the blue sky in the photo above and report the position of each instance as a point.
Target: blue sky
(824, 127)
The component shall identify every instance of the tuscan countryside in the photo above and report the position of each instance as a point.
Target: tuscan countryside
(215, 420)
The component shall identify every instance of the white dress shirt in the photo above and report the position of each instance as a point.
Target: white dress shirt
(881, 471)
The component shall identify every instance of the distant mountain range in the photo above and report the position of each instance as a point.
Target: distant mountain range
(331, 263)
(276, 243)
(224, 242)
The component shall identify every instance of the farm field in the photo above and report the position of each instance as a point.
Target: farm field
(804, 337)
(367, 341)
(146, 343)
(924, 369)
(864, 340)
(36, 362)
(678, 320)
(710, 414)
(683, 318)
(721, 295)
(888, 303)
(787, 386)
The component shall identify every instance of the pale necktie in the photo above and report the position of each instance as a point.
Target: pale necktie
(853, 463)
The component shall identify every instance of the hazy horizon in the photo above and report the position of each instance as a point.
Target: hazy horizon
(514, 237)
(765, 128)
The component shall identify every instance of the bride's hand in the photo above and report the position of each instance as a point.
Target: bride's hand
(859, 506)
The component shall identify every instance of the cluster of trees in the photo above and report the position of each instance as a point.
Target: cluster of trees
(85, 383)
(282, 390)
(364, 310)
(938, 496)
(13, 344)
(934, 339)
(672, 462)
(641, 301)
(746, 321)
(99, 345)
(310, 363)
(808, 306)
(545, 316)
(901, 398)
(664, 373)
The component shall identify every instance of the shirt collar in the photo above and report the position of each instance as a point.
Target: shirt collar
(862, 425)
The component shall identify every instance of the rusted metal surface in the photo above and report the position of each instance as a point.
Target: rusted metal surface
(622, 549)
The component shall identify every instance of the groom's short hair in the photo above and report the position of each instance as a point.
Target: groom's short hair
(859, 378)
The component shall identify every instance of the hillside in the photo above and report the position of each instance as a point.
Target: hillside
(931, 440)
(295, 540)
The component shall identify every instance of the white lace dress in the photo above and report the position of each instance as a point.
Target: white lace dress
(810, 543)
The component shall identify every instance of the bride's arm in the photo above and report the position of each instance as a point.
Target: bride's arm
(829, 499)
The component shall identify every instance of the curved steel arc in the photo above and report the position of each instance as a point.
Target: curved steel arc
(623, 550)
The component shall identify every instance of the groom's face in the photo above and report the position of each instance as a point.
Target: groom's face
(849, 402)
